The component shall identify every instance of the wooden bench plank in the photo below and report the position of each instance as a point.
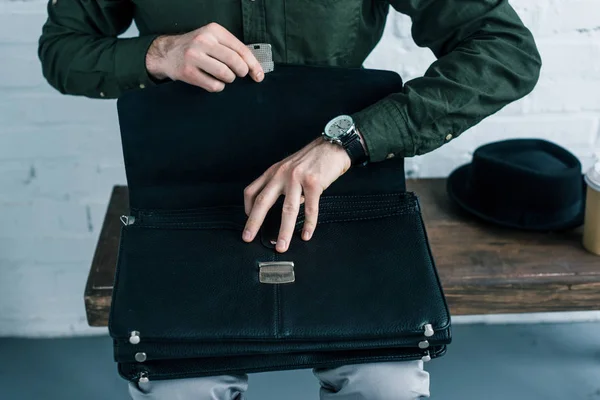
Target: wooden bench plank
(484, 269)
(98, 290)
(487, 269)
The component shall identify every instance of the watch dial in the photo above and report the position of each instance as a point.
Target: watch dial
(339, 127)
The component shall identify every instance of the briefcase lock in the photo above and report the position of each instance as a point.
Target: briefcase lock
(275, 272)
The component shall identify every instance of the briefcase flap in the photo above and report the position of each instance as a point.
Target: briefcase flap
(387, 294)
(185, 147)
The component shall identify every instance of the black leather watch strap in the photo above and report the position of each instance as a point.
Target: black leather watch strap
(356, 151)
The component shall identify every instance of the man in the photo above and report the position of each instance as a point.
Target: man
(486, 59)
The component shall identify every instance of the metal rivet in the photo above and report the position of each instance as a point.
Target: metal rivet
(391, 155)
(449, 136)
(424, 344)
(426, 357)
(54, 1)
(144, 377)
(101, 94)
(134, 338)
(142, 86)
(428, 330)
(140, 357)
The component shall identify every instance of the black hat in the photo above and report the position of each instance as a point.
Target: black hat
(529, 184)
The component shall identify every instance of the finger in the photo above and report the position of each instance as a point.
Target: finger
(230, 58)
(226, 38)
(210, 65)
(311, 213)
(195, 76)
(289, 214)
(262, 204)
(214, 67)
(252, 190)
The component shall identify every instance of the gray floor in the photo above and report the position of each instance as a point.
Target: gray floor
(490, 362)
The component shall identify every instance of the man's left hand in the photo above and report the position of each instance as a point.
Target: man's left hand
(301, 177)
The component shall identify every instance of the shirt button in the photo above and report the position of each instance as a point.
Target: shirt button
(391, 155)
(142, 86)
(448, 136)
(101, 94)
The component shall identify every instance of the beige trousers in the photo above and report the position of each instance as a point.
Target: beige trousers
(379, 381)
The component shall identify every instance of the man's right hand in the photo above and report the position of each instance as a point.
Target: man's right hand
(208, 57)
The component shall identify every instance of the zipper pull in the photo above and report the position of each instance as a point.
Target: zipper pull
(127, 219)
(143, 377)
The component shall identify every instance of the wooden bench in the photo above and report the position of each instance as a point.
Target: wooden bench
(484, 269)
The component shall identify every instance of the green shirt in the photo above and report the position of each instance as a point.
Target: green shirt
(486, 57)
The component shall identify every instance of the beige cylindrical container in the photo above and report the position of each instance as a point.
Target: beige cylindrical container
(591, 227)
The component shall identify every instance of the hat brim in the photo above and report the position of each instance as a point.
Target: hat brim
(459, 190)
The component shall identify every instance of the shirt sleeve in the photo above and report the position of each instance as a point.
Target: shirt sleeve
(486, 58)
(81, 54)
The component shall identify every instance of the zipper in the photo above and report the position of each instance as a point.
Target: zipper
(199, 218)
(331, 209)
(351, 208)
(364, 201)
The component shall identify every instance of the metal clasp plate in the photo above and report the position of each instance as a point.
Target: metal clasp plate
(275, 272)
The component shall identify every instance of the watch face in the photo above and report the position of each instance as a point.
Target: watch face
(338, 126)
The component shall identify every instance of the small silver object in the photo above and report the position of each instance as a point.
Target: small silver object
(134, 338)
(127, 219)
(140, 357)
(426, 357)
(276, 272)
(338, 128)
(428, 330)
(424, 344)
(143, 377)
(263, 54)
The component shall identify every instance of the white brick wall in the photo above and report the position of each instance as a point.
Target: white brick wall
(59, 158)
(60, 155)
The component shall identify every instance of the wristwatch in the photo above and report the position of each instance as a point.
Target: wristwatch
(342, 131)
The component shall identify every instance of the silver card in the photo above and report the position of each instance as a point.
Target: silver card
(264, 55)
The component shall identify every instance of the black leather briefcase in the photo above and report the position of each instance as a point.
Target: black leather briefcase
(192, 299)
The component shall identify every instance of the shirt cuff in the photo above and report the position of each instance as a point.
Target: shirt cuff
(130, 62)
(384, 130)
